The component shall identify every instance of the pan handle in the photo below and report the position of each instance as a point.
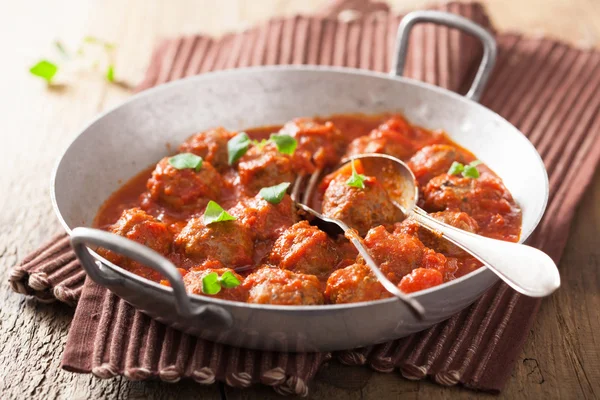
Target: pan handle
(81, 237)
(452, 21)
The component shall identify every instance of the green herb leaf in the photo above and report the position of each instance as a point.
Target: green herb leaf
(110, 73)
(215, 213)
(285, 143)
(91, 40)
(61, 49)
(185, 161)
(456, 168)
(211, 284)
(470, 172)
(45, 70)
(356, 180)
(228, 280)
(237, 146)
(261, 145)
(274, 194)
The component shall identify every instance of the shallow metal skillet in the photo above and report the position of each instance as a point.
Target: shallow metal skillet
(102, 157)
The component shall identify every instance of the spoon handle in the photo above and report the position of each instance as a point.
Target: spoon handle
(524, 268)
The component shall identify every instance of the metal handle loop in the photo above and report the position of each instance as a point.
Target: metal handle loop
(452, 21)
(80, 237)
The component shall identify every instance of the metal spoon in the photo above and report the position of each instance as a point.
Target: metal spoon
(524, 268)
(414, 306)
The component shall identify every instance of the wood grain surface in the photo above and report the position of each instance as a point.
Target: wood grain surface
(560, 359)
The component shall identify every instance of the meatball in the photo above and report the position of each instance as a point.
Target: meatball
(306, 249)
(182, 190)
(266, 221)
(485, 199)
(391, 137)
(319, 145)
(420, 279)
(211, 145)
(434, 160)
(456, 219)
(135, 224)
(260, 168)
(397, 254)
(229, 242)
(278, 286)
(353, 284)
(193, 284)
(360, 208)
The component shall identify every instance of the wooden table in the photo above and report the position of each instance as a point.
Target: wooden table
(561, 357)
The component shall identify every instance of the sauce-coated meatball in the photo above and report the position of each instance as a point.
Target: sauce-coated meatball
(306, 249)
(319, 145)
(229, 242)
(260, 168)
(391, 137)
(399, 253)
(278, 286)
(360, 208)
(457, 219)
(353, 284)
(485, 199)
(182, 190)
(135, 224)
(211, 145)
(396, 254)
(434, 160)
(267, 221)
(193, 284)
(420, 279)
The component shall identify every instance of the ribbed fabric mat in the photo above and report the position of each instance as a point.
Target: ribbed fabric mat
(544, 87)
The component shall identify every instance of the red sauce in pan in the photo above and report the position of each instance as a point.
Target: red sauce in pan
(266, 252)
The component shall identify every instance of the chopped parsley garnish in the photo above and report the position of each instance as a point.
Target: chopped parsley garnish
(240, 143)
(260, 144)
(356, 180)
(213, 283)
(237, 146)
(274, 194)
(110, 73)
(45, 70)
(285, 143)
(468, 171)
(186, 161)
(215, 213)
(228, 280)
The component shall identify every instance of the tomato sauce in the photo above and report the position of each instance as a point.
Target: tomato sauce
(264, 251)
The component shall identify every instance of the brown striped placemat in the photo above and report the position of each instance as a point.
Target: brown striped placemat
(542, 86)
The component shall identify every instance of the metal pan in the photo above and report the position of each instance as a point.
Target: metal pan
(102, 157)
